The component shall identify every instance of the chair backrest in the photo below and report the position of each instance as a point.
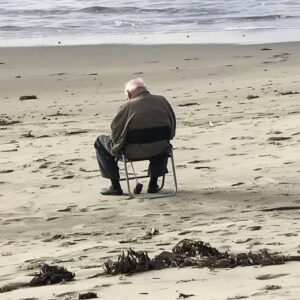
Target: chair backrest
(148, 135)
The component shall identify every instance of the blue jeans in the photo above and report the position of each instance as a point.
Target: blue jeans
(108, 164)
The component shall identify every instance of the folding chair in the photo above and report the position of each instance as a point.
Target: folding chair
(145, 136)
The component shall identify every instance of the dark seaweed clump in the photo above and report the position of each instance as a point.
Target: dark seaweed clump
(8, 122)
(51, 275)
(128, 263)
(193, 248)
(89, 295)
(46, 276)
(190, 253)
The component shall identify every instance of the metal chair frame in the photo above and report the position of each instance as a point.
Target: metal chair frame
(150, 196)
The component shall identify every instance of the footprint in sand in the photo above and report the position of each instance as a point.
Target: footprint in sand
(58, 74)
(67, 209)
(270, 276)
(242, 138)
(185, 232)
(199, 161)
(54, 238)
(68, 295)
(255, 228)
(6, 171)
(195, 58)
(238, 183)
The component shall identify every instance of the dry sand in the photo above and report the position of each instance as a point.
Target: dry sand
(235, 157)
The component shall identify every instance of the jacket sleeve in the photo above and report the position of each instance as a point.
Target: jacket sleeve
(119, 130)
(172, 120)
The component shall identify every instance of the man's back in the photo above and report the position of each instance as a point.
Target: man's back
(144, 111)
(150, 111)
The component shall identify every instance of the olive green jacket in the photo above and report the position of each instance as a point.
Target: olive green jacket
(144, 111)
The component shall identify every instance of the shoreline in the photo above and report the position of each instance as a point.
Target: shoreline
(234, 37)
(176, 46)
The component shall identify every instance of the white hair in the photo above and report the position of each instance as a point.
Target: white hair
(135, 85)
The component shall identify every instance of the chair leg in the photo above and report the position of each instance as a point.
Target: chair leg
(127, 177)
(162, 182)
(174, 171)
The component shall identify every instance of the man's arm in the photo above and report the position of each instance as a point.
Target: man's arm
(119, 129)
(172, 120)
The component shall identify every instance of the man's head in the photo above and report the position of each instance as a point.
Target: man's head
(134, 87)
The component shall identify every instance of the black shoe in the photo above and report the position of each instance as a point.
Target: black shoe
(111, 191)
(153, 189)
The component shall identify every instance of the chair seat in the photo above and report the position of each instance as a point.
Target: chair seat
(166, 151)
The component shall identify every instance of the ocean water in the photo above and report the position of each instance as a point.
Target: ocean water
(53, 20)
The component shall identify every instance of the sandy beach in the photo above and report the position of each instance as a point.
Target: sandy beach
(237, 159)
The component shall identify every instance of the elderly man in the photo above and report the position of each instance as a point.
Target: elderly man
(142, 111)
